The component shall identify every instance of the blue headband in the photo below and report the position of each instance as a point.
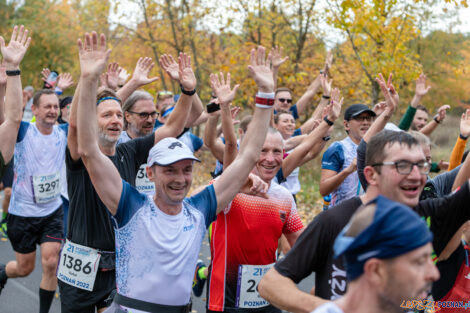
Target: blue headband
(108, 98)
(395, 230)
(167, 112)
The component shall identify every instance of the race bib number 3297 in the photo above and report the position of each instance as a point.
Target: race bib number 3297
(78, 265)
(249, 277)
(46, 187)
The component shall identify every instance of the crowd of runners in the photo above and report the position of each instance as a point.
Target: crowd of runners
(100, 182)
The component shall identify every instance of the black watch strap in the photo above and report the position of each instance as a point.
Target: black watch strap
(13, 73)
(186, 92)
(330, 123)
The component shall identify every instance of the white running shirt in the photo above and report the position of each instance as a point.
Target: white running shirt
(37, 157)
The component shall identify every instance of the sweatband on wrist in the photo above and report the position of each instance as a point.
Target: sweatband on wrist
(264, 100)
(463, 137)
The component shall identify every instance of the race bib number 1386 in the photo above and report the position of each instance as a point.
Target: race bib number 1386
(78, 265)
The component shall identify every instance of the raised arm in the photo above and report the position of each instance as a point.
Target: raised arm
(140, 78)
(3, 90)
(104, 175)
(420, 91)
(459, 147)
(276, 61)
(197, 115)
(12, 56)
(177, 120)
(72, 140)
(438, 118)
(211, 140)
(229, 183)
(296, 157)
(225, 96)
(307, 97)
(464, 172)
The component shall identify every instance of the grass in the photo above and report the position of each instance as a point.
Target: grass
(309, 200)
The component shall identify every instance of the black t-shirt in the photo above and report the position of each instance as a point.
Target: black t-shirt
(89, 221)
(313, 251)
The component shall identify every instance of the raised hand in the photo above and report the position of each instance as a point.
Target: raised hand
(379, 107)
(334, 108)
(328, 62)
(260, 70)
(64, 81)
(112, 75)
(93, 54)
(222, 89)
(441, 112)
(234, 112)
(123, 76)
(185, 72)
(465, 123)
(421, 88)
(45, 74)
(170, 66)
(326, 84)
(389, 92)
(142, 71)
(13, 53)
(276, 57)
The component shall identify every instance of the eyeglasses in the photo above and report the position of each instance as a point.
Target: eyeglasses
(405, 167)
(285, 100)
(367, 118)
(145, 115)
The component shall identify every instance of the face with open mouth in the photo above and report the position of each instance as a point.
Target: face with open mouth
(141, 118)
(172, 182)
(358, 126)
(405, 189)
(110, 120)
(408, 277)
(285, 125)
(271, 156)
(47, 110)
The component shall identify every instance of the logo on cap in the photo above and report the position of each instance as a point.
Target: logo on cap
(174, 145)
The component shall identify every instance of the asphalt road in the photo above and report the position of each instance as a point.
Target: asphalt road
(21, 294)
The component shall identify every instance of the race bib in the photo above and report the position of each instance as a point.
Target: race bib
(142, 183)
(249, 277)
(78, 265)
(46, 187)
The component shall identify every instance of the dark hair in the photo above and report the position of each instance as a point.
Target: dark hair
(281, 89)
(106, 92)
(41, 92)
(422, 108)
(376, 147)
(245, 122)
(279, 113)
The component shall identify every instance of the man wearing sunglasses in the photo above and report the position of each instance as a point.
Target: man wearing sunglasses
(283, 99)
(338, 175)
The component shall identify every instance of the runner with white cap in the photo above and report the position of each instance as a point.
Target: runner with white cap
(158, 240)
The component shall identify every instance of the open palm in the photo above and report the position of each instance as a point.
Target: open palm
(19, 43)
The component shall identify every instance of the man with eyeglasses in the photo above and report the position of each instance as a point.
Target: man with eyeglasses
(338, 176)
(395, 167)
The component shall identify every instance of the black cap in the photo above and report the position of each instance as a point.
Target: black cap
(355, 110)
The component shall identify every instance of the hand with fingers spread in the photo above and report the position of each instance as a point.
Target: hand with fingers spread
(64, 81)
(45, 74)
(328, 62)
(234, 112)
(13, 53)
(222, 89)
(260, 71)
(185, 72)
(334, 108)
(123, 76)
(142, 71)
(112, 75)
(390, 94)
(441, 113)
(276, 57)
(93, 54)
(421, 88)
(170, 66)
(326, 85)
(465, 124)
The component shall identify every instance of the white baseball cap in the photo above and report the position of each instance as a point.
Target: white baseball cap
(168, 151)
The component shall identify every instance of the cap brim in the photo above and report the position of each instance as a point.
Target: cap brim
(172, 161)
(364, 111)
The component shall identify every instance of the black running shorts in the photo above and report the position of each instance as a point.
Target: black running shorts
(27, 232)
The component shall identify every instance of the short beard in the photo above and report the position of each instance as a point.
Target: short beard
(138, 132)
(105, 139)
